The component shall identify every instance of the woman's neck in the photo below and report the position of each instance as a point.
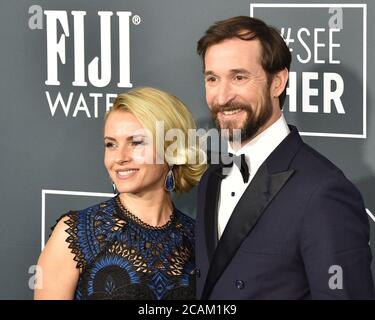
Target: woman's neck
(153, 208)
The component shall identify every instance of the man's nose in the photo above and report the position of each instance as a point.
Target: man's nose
(225, 93)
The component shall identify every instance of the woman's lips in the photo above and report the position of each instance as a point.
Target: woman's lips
(126, 174)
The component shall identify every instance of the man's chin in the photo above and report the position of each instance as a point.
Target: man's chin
(231, 126)
(238, 133)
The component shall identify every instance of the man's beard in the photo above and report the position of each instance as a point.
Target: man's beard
(252, 123)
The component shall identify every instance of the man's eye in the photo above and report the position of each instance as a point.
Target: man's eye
(109, 144)
(210, 79)
(240, 77)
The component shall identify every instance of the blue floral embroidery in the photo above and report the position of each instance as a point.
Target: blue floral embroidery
(121, 259)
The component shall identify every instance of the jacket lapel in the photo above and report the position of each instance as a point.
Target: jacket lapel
(210, 210)
(252, 204)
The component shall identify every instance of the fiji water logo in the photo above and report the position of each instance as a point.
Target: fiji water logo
(65, 29)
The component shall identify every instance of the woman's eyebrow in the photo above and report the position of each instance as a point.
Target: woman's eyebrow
(109, 138)
(128, 137)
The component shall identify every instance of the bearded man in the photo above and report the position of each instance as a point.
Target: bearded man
(284, 222)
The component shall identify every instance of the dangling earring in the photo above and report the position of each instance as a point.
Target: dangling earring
(169, 183)
(115, 191)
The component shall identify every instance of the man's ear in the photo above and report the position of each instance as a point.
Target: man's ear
(279, 82)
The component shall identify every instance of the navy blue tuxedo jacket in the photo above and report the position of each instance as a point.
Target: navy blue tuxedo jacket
(300, 231)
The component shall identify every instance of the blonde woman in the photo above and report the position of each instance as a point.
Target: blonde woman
(136, 245)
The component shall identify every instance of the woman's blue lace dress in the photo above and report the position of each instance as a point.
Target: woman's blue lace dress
(122, 258)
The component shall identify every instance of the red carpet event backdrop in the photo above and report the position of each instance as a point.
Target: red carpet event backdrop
(64, 62)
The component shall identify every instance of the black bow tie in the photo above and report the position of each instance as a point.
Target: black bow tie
(240, 161)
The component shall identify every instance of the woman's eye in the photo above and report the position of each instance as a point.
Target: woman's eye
(138, 142)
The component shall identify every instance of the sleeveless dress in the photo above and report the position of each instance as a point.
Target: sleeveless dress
(120, 257)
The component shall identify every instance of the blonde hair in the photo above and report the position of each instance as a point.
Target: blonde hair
(150, 105)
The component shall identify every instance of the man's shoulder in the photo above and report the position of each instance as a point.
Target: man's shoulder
(313, 160)
(317, 169)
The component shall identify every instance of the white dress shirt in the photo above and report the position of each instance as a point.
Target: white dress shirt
(257, 151)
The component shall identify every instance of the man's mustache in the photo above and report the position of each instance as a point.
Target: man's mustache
(216, 108)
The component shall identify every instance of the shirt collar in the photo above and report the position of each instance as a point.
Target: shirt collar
(258, 149)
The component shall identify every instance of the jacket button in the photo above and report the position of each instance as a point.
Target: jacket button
(239, 284)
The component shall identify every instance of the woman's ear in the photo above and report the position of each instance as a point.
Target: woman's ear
(279, 82)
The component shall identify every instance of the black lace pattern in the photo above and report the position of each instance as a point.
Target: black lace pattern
(122, 258)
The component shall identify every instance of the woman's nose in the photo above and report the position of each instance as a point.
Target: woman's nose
(124, 154)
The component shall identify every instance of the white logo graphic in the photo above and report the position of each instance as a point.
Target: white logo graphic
(323, 90)
(67, 30)
(46, 192)
(370, 214)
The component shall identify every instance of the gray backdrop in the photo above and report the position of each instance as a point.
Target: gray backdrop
(52, 159)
